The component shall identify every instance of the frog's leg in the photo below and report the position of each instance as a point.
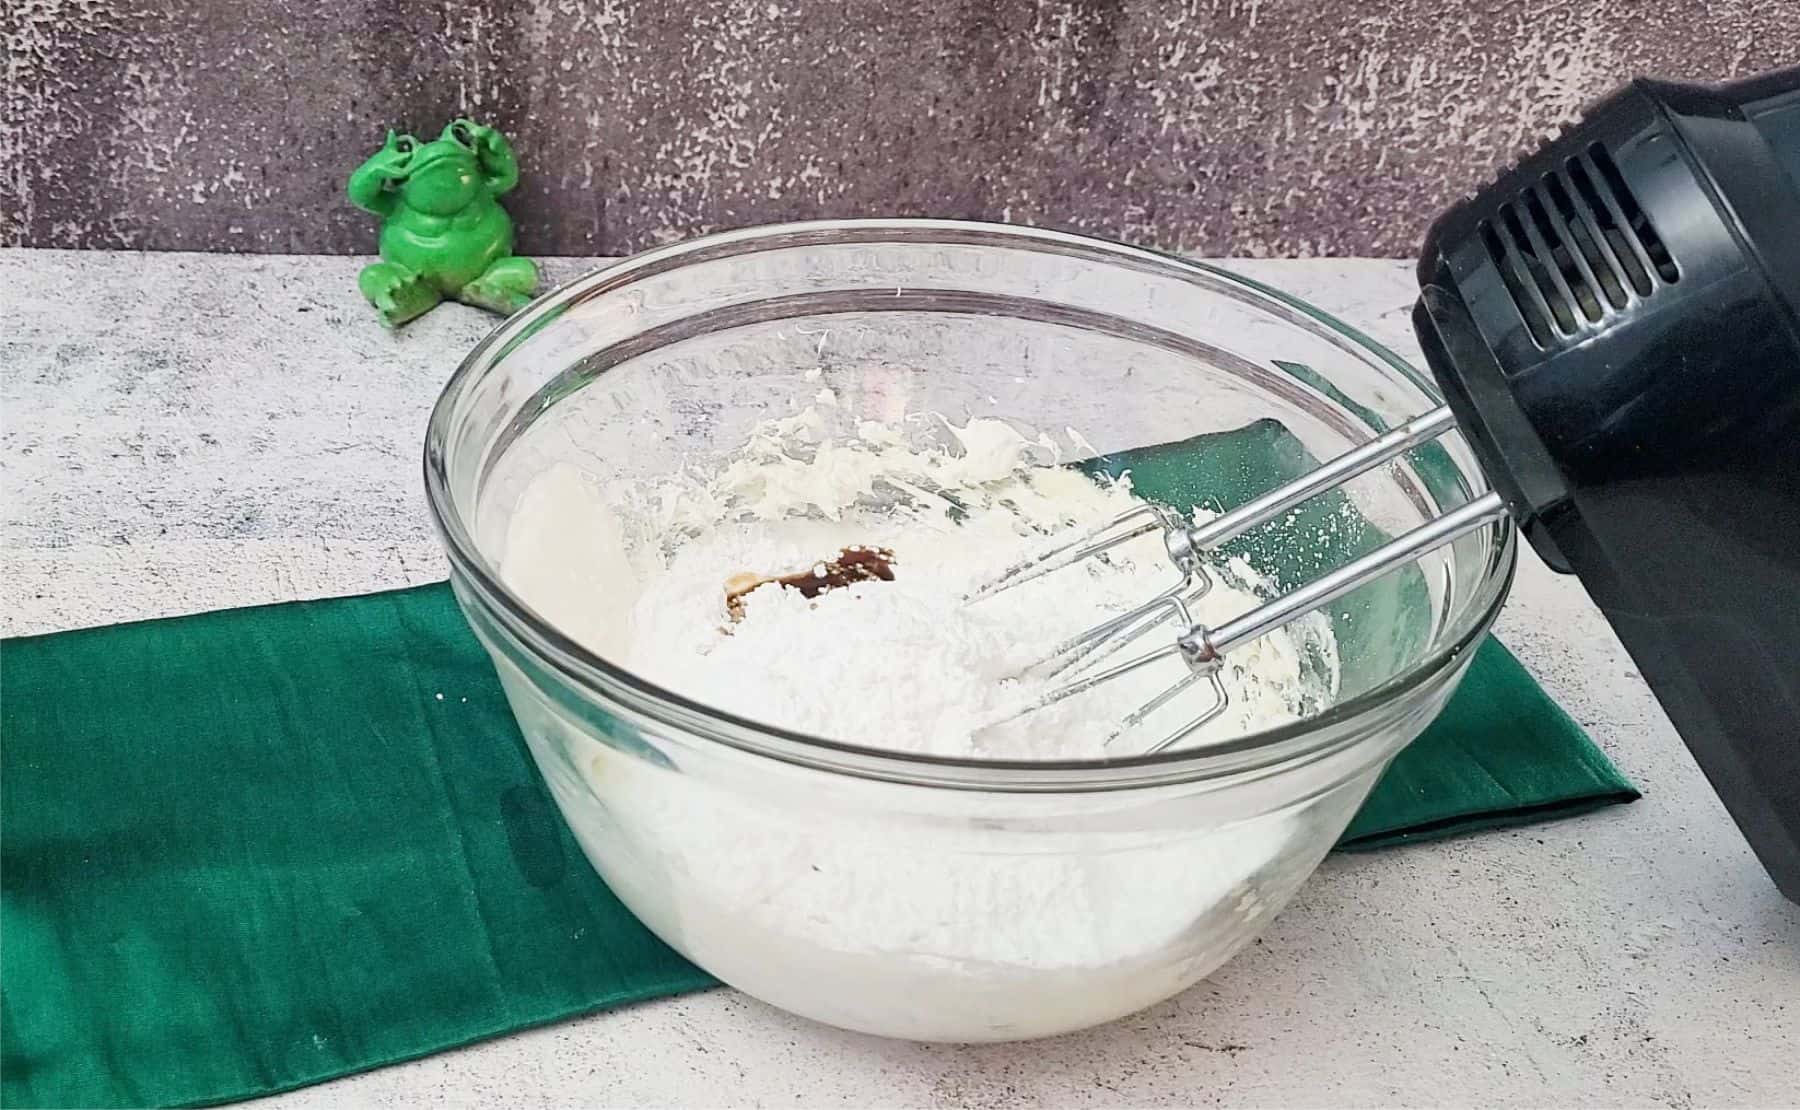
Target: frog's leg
(396, 292)
(503, 287)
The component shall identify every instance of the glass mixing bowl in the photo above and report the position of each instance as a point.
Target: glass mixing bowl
(936, 898)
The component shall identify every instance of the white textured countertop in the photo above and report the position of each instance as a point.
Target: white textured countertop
(189, 432)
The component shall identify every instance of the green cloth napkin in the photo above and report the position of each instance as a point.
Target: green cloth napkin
(250, 850)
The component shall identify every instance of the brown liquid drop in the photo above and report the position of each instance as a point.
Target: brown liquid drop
(857, 563)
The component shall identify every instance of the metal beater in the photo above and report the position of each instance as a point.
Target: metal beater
(1203, 648)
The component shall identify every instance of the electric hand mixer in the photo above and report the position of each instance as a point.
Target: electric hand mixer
(1616, 325)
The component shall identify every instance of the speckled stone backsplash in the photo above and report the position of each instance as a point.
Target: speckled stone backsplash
(1250, 127)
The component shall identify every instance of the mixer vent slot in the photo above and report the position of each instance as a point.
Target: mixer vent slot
(1576, 246)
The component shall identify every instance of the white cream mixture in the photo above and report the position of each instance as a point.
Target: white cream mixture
(934, 914)
(638, 575)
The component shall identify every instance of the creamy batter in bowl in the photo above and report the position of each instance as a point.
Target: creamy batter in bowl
(892, 883)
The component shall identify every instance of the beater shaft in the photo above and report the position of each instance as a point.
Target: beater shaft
(1204, 645)
(1186, 544)
(1389, 445)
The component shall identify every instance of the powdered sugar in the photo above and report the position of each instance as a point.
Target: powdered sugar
(637, 574)
(892, 909)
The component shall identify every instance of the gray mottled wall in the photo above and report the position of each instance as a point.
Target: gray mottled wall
(1223, 126)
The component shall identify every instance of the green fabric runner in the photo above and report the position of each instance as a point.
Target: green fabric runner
(249, 850)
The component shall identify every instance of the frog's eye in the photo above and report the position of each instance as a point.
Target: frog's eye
(406, 143)
(461, 133)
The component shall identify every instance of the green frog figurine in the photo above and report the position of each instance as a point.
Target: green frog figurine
(443, 234)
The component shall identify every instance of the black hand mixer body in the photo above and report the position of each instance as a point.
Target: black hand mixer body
(1613, 324)
(1616, 326)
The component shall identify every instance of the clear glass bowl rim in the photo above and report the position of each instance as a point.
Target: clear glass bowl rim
(1328, 732)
